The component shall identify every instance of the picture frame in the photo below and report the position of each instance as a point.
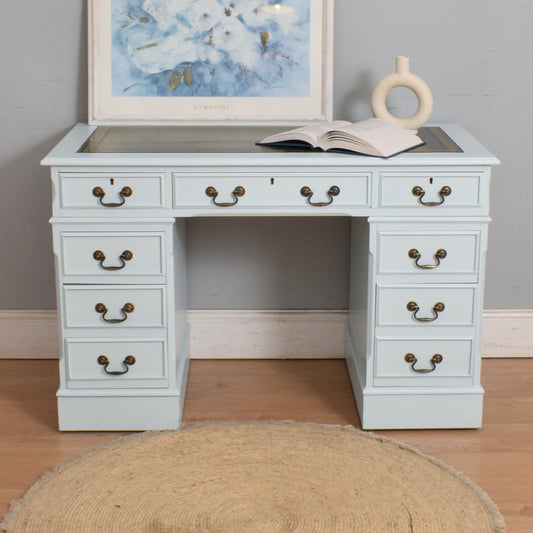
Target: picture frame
(173, 62)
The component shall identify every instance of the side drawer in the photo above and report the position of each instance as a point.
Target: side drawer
(439, 305)
(271, 191)
(116, 363)
(423, 363)
(113, 256)
(114, 308)
(428, 253)
(430, 189)
(108, 191)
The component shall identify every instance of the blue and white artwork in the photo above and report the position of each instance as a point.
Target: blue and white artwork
(211, 48)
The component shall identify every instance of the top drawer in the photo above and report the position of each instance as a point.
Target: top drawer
(305, 190)
(110, 192)
(432, 190)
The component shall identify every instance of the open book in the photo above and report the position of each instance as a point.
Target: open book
(374, 136)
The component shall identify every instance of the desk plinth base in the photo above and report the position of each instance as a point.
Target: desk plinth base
(395, 408)
(119, 413)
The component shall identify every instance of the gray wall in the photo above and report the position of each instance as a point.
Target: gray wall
(475, 56)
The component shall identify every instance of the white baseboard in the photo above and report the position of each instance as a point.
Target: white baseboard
(267, 334)
(28, 334)
(507, 333)
(260, 334)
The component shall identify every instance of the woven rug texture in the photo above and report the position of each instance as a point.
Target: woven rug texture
(254, 477)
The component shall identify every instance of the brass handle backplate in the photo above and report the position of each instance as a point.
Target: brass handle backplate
(104, 361)
(124, 193)
(419, 192)
(413, 253)
(99, 256)
(412, 360)
(101, 308)
(236, 193)
(437, 308)
(306, 192)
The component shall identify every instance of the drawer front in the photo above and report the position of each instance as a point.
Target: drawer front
(108, 192)
(116, 364)
(262, 191)
(430, 190)
(428, 362)
(114, 308)
(425, 306)
(114, 255)
(429, 254)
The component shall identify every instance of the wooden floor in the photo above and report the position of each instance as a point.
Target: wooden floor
(498, 457)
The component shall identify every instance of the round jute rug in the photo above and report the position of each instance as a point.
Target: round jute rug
(254, 477)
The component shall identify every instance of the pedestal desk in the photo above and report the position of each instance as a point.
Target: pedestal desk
(418, 244)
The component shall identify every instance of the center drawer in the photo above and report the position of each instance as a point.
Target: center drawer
(294, 190)
(114, 308)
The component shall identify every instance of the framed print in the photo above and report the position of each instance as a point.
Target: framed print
(188, 61)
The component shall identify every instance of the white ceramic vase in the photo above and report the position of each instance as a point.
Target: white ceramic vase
(402, 77)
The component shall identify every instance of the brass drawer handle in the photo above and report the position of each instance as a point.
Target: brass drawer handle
(124, 193)
(99, 256)
(101, 308)
(413, 253)
(437, 308)
(412, 360)
(418, 191)
(306, 192)
(237, 193)
(104, 361)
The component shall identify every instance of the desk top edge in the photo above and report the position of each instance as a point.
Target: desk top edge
(66, 153)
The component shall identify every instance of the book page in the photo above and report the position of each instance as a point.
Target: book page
(310, 134)
(386, 137)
